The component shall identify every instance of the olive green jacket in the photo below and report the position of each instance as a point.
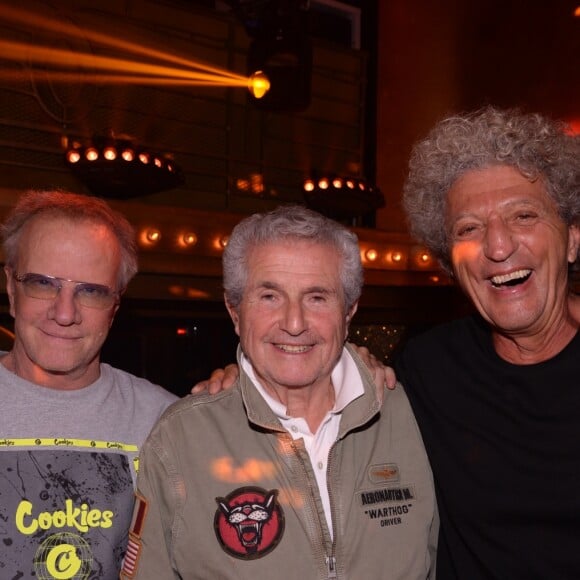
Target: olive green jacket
(227, 493)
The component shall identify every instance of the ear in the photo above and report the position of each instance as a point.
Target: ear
(233, 315)
(10, 288)
(114, 313)
(573, 242)
(351, 312)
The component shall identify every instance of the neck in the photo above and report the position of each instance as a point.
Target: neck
(61, 381)
(311, 403)
(526, 349)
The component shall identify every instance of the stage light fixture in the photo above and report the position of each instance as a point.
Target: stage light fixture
(118, 168)
(341, 197)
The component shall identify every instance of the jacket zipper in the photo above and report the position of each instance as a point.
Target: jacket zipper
(331, 565)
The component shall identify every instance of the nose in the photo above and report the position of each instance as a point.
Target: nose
(500, 242)
(64, 309)
(293, 319)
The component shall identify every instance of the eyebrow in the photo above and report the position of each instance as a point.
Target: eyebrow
(310, 290)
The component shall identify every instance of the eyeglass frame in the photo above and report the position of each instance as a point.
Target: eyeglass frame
(57, 283)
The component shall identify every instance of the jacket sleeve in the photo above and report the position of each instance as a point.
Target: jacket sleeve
(432, 545)
(149, 553)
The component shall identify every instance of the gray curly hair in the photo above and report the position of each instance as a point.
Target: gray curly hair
(288, 223)
(533, 144)
(75, 207)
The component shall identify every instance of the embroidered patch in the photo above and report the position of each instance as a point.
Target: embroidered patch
(384, 472)
(134, 545)
(249, 522)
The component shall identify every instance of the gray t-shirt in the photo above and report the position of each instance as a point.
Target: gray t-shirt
(68, 463)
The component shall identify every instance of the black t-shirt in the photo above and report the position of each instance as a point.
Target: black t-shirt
(504, 446)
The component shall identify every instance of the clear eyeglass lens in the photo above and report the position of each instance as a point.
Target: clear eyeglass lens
(47, 288)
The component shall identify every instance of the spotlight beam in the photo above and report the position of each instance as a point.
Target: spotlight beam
(76, 60)
(61, 26)
(121, 70)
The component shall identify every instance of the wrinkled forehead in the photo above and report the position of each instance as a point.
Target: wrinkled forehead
(68, 248)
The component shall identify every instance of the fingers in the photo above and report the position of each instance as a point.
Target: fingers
(211, 385)
(390, 378)
(219, 380)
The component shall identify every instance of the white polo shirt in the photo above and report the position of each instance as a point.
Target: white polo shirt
(348, 386)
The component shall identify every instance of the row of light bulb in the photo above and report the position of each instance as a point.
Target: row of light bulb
(395, 257)
(152, 236)
(110, 153)
(189, 239)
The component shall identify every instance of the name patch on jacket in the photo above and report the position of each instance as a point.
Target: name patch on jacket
(388, 505)
(249, 522)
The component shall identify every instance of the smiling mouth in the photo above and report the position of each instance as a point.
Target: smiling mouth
(511, 279)
(293, 349)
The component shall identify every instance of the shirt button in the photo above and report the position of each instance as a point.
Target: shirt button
(294, 428)
(320, 465)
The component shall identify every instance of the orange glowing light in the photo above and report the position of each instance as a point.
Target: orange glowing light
(309, 185)
(153, 236)
(110, 153)
(73, 156)
(91, 154)
(258, 84)
(189, 239)
(323, 183)
(128, 155)
(371, 255)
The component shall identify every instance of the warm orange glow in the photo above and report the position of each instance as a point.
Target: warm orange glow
(110, 153)
(224, 241)
(371, 255)
(323, 183)
(396, 256)
(91, 154)
(309, 185)
(257, 183)
(177, 71)
(188, 239)
(224, 469)
(128, 155)
(424, 259)
(337, 183)
(577, 12)
(73, 156)
(153, 235)
(258, 84)
(242, 184)
(144, 158)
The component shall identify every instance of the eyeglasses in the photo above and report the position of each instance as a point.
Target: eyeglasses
(87, 294)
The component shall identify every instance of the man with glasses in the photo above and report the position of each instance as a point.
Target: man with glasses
(71, 427)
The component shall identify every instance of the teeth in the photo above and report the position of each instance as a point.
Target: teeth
(505, 278)
(292, 348)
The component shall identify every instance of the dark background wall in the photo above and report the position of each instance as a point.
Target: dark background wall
(372, 95)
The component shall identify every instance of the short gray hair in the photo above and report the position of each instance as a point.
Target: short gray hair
(75, 207)
(289, 223)
(535, 145)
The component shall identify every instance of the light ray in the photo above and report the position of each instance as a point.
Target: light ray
(61, 26)
(66, 58)
(121, 70)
